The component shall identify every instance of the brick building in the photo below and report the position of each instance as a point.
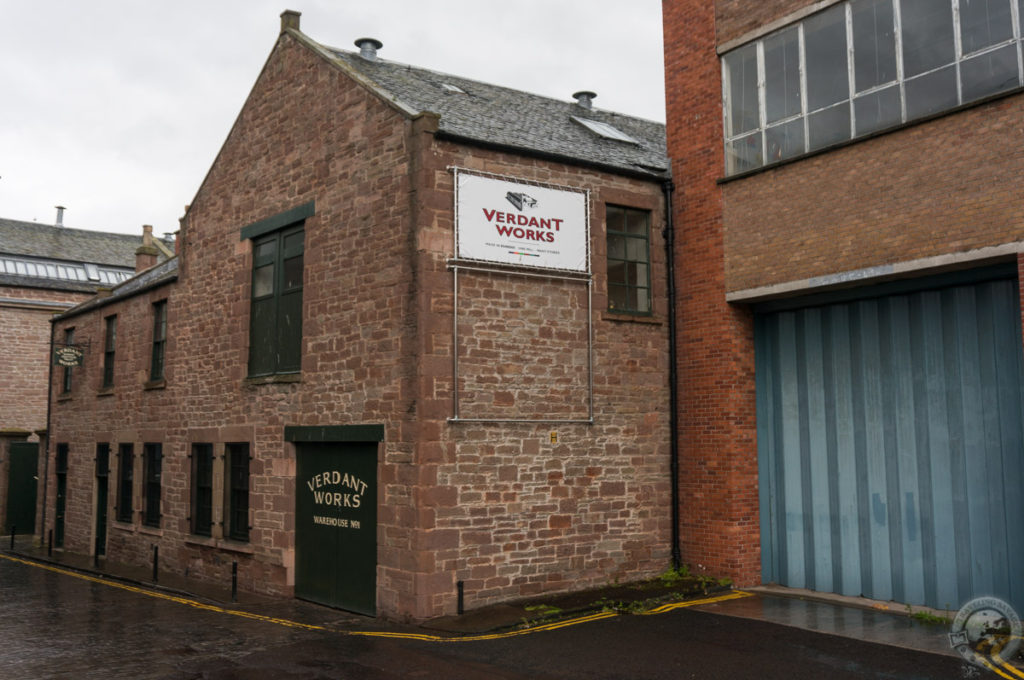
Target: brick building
(850, 254)
(44, 269)
(416, 336)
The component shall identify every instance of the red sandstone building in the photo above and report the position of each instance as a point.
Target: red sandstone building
(416, 336)
(44, 269)
(850, 235)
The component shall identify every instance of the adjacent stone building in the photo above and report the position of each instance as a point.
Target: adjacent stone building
(44, 269)
(850, 239)
(415, 339)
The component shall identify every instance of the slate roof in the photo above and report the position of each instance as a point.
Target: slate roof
(500, 116)
(72, 245)
(165, 272)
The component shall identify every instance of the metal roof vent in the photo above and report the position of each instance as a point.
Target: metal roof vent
(60, 216)
(584, 99)
(368, 48)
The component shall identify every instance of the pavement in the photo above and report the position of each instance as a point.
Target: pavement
(854, 618)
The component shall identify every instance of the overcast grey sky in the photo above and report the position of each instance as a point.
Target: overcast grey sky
(116, 108)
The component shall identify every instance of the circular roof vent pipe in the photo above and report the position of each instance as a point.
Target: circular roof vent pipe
(584, 99)
(368, 48)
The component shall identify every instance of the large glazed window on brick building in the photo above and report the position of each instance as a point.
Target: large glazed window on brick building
(862, 66)
(629, 277)
(275, 341)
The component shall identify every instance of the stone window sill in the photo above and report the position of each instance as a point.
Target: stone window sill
(106, 392)
(155, 385)
(274, 379)
(221, 544)
(632, 318)
(150, 531)
(65, 396)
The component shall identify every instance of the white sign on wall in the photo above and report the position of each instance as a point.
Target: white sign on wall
(507, 222)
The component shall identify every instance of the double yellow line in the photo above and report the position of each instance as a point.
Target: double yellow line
(366, 633)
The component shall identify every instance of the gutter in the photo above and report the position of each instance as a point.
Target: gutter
(49, 432)
(673, 380)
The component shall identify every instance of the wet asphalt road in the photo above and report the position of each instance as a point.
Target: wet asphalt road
(58, 626)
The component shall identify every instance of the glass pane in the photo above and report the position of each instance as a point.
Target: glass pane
(636, 249)
(786, 140)
(263, 281)
(931, 93)
(743, 154)
(643, 300)
(640, 274)
(825, 48)
(990, 73)
(741, 75)
(293, 273)
(782, 75)
(927, 35)
(984, 23)
(874, 44)
(616, 247)
(616, 218)
(266, 248)
(618, 298)
(262, 357)
(289, 333)
(636, 222)
(616, 272)
(877, 111)
(293, 242)
(829, 126)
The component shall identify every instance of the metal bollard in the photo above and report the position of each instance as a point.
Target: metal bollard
(14, 530)
(234, 581)
(156, 562)
(462, 593)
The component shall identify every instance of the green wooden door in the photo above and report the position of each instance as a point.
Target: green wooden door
(336, 525)
(21, 488)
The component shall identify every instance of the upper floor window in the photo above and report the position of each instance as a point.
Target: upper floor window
(275, 338)
(109, 344)
(629, 277)
(156, 364)
(863, 66)
(66, 381)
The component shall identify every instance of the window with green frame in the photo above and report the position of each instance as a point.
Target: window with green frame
(125, 465)
(629, 260)
(152, 464)
(275, 338)
(156, 364)
(202, 489)
(109, 345)
(238, 491)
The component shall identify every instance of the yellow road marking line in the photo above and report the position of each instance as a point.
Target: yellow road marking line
(995, 669)
(1012, 669)
(598, 616)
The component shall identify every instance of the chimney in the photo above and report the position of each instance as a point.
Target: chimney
(368, 48)
(146, 254)
(60, 216)
(290, 19)
(584, 99)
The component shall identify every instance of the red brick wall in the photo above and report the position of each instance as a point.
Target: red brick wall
(500, 507)
(945, 186)
(514, 514)
(719, 493)
(736, 18)
(24, 364)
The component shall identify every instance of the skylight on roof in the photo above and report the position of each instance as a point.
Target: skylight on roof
(605, 130)
(454, 89)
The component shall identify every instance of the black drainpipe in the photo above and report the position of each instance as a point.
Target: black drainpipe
(49, 432)
(673, 381)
